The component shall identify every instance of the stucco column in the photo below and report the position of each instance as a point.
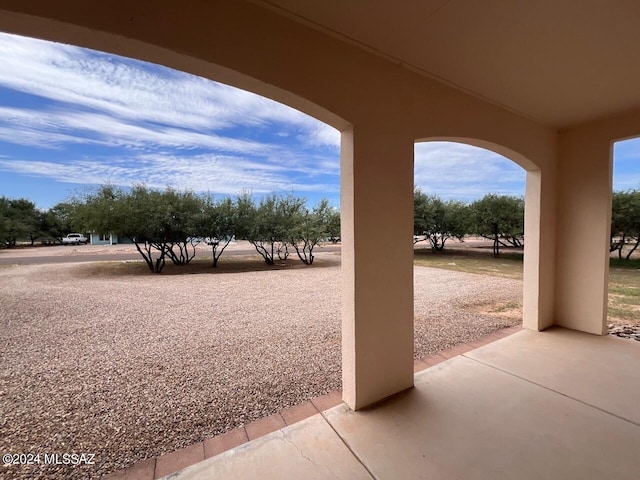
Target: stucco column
(583, 229)
(377, 265)
(539, 250)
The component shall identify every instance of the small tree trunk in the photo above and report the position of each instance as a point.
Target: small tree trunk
(621, 245)
(146, 257)
(216, 254)
(283, 251)
(306, 253)
(633, 249)
(159, 263)
(262, 250)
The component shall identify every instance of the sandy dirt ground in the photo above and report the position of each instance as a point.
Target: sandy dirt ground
(134, 366)
(74, 250)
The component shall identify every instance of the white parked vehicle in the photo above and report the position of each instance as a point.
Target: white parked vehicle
(216, 241)
(75, 239)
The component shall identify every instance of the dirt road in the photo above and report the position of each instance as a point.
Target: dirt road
(112, 253)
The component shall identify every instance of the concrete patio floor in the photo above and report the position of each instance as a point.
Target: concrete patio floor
(555, 405)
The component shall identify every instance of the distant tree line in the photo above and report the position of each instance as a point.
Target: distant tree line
(496, 217)
(168, 225)
(20, 220)
(625, 223)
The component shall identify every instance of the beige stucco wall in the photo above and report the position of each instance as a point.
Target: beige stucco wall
(584, 219)
(380, 107)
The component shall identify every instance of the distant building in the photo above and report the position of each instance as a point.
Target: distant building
(107, 239)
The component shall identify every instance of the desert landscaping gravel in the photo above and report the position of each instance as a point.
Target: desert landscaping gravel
(134, 366)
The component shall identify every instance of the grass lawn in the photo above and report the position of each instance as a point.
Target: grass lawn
(475, 260)
(624, 276)
(624, 291)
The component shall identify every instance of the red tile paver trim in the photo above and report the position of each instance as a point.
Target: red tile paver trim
(515, 328)
(226, 441)
(500, 334)
(330, 400)
(512, 330)
(297, 413)
(481, 342)
(174, 461)
(434, 359)
(264, 426)
(463, 348)
(119, 475)
(448, 353)
(144, 470)
(492, 337)
(419, 365)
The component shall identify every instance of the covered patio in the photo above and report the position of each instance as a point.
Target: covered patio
(557, 404)
(550, 85)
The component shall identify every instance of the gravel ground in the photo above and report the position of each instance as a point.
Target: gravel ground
(137, 366)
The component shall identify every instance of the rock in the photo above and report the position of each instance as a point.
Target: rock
(631, 332)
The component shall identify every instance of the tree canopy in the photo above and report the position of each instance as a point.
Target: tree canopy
(625, 222)
(169, 224)
(500, 218)
(437, 221)
(19, 219)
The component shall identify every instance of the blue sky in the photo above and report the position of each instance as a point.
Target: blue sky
(72, 119)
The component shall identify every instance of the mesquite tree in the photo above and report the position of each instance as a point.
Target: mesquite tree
(58, 221)
(500, 218)
(19, 219)
(169, 224)
(625, 222)
(437, 221)
(268, 225)
(179, 224)
(309, 228)
(277, 223)
(219, 224)
(161, 224)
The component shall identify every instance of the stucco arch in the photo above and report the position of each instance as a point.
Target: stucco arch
(539, 251)
(506, 152)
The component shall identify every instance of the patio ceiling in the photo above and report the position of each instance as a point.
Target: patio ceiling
(557, 62)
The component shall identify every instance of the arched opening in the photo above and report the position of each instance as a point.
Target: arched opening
(624, 279)
(133, 368)
(469, 239)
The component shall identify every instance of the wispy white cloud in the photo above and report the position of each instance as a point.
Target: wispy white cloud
(460, 171)
(135, 92)
(321, 134)
(205, 173)
(54, 129)
(124, 122)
